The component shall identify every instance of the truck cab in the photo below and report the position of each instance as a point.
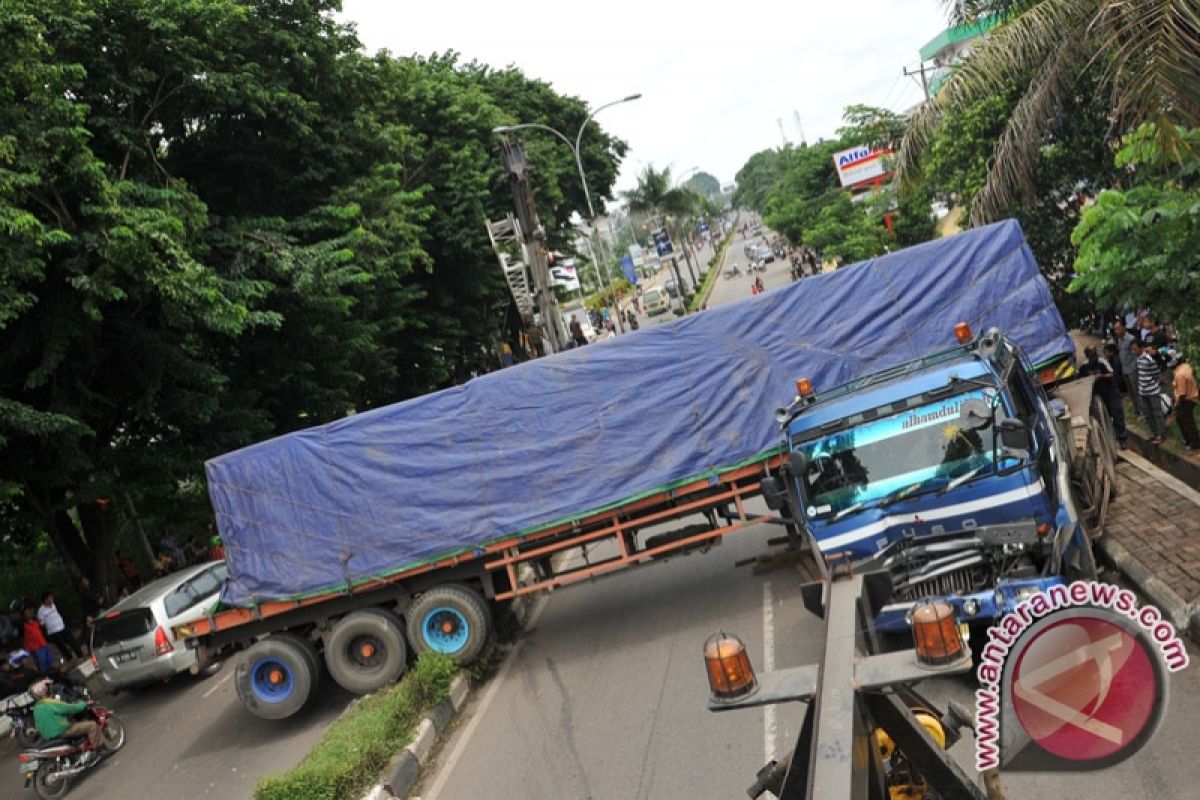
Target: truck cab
(946, 472)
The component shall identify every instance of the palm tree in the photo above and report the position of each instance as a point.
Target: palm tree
(1146, 51)
(654, 195)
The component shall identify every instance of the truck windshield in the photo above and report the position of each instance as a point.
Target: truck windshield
(894, 456)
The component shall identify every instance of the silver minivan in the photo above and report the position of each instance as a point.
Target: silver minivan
(132, 643)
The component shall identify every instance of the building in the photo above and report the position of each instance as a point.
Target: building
(946, 50)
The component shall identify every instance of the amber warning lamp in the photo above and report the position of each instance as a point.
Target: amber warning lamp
(804, 387)
(935, 634)
(730, 674)
(962, 332)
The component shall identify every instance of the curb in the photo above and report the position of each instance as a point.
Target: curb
(402, 772)
(1183, 615)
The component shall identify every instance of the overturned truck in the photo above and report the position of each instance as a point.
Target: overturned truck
(408, 528)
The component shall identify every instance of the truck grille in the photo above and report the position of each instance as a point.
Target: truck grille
(960, 581)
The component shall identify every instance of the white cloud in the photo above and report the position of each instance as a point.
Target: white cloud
(714, 77)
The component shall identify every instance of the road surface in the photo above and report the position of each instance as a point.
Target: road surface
(190, 738)
(605, 697)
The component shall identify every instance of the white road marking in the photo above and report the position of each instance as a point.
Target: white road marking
(768, 666)
(219, 684)
(446, 765)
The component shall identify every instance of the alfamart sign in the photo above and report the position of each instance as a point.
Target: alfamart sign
(1073, 678)
(860, 164)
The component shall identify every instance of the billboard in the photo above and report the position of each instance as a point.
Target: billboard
(662, 242)
(859, 164)
(635, 252)
(564, 276)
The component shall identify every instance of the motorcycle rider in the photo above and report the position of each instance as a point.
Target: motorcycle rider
(53, 718)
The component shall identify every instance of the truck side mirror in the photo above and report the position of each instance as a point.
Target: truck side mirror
(1016, 438)
(797, 463)
(773, 493)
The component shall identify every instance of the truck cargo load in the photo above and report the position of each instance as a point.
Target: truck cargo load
(560, 437)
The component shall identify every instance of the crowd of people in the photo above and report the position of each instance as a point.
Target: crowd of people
(1141, 362)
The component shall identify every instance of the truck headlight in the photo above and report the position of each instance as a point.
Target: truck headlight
(970, 607)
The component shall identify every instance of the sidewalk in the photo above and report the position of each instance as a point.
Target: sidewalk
(1153, 536)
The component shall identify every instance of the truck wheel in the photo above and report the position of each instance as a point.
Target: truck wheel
(309, 650)
(452, 620)
(365, 651)
(274, 679)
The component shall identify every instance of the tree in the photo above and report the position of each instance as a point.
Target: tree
(840, 229)
(1145, 54)
(704, 185)
(224, 222)
(1139, 246)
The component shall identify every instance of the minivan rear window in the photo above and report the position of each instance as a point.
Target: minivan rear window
(127, 625)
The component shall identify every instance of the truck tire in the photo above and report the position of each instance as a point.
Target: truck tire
(309, 649)
(365, 651)
(274, 679)
(452, 620)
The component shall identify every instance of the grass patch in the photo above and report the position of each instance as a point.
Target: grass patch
(714, 272)
(354, 750)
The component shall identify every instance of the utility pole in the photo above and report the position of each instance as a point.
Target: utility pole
(799, 127)
(782, 135)
(921, 72)
(532, 236)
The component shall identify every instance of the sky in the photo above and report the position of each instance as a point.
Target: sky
(715, 78)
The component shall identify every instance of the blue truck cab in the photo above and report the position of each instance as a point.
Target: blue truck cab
(949, 471)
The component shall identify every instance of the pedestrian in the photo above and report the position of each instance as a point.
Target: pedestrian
(1149, 385)
(1124, 341)
(577, 331)
(195, 549)
(217, 553)
(1106, 390)
(172, 548)
(163, 563)
(534, 334)
(92, 602)
(1187, 395)
(34, 640)
(129, 570)
(56, 628)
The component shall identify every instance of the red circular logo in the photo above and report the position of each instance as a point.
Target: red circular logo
(1084, 688)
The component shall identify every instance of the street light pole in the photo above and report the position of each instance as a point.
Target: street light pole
(587, 194)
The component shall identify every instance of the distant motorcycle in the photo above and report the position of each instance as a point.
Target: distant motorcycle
(51, 766)
(733, 272)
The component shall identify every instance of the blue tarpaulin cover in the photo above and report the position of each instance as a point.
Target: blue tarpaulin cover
(561, 436)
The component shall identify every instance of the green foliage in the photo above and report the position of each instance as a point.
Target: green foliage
(842, 230)
(358, 745)
(221, 222)
(704, 184)
(1139, 246)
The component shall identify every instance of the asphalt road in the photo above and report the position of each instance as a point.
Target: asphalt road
(190, 738)
(605, 696)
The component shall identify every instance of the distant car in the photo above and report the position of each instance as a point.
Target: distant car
(132, 643)
(671, 287)
(656, 301)
(764, 255)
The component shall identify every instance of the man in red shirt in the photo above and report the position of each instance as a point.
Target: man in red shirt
(35, 642)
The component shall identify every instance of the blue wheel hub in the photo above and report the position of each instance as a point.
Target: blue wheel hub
(446, 630)
(271, 680)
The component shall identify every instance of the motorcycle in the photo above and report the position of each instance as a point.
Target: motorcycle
(51, 766)
(758, 266)
(733, 272)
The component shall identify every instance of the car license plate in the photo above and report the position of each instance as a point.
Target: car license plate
(125, 656)
(29, 766)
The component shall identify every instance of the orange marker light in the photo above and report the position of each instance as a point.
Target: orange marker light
(730, 674)
(962, 332)
(804, 387)
(1043, 529)
(935, 633)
